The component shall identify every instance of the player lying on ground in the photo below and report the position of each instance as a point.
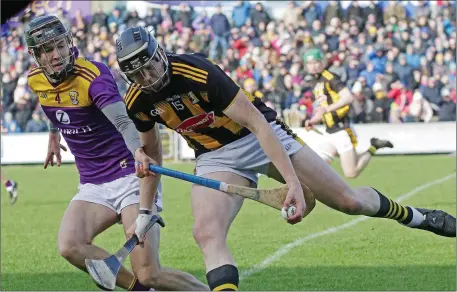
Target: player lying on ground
(235, 136)
(82, 101)
(11, 188)
(335, 99)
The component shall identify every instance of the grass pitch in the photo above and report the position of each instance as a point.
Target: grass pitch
(376, 254)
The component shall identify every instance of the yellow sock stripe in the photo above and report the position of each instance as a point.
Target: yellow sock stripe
(226, 286)
(390, 209)
(397, 212)
(132, 284)
(401, 212)
(405, 215)
(394, 209)
(372, 150)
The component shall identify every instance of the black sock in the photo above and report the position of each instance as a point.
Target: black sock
(224, 278)
(137, 286)
(393, 210)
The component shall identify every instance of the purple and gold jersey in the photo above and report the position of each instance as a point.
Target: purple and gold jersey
(74, 107)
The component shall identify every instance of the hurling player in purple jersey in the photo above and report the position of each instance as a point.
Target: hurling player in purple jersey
(11, 188)
(82, 102)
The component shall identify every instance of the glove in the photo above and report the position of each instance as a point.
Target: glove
(142, 221)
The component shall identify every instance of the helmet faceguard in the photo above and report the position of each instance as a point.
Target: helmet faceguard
(51, 46)
(142, 60)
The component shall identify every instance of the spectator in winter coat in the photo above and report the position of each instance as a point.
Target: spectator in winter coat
(221, 28)
(240, 13)
(447, 108)
(432, 93)
(332, 10)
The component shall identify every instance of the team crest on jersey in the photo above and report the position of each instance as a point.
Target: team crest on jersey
(74, 97)
(196, 122)
(123, 163)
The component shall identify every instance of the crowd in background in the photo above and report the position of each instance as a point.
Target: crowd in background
(398, 59)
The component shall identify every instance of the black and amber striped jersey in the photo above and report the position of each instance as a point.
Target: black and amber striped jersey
(193, 104)
(329, 84)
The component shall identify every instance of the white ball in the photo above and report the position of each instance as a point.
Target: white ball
(290, 212)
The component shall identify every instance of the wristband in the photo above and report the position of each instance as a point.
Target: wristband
(145, 211)
(52, 128)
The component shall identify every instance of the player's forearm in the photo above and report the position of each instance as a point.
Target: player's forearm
(148, 191)
(275, 151)
(346, 98)
(148, 185)
(243, 112)
(117, 114)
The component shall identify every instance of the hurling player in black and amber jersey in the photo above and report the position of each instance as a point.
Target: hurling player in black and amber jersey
(334, 100)
(235, 137)
(194, 105)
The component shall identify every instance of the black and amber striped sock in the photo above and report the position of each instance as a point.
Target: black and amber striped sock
(224, 278)
(372, 150)
(393, 210)
(137, 286)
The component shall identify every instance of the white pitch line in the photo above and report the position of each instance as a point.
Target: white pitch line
(288, 247)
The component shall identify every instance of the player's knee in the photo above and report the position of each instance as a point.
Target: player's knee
(68, 249)
(350, 173)
(149, 276)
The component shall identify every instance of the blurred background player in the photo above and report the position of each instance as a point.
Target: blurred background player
(81, 100)
(334, 100)
(11, 188)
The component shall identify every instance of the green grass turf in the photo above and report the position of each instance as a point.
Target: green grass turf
(376, 254)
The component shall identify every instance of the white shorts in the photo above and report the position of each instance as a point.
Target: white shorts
(338, 143)
(116, 194)
(245, 156)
